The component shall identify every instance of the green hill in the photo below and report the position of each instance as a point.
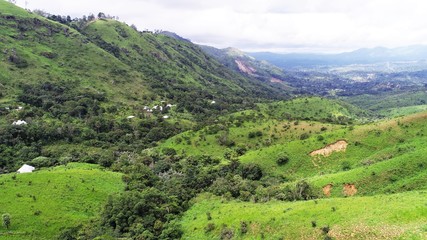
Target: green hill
(268, 124)
(375, 188)
(177, 69)
(45, 202)
(396, 216)
(105, 87)
(202, 140)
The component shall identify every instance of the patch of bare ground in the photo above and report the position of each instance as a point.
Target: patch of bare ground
(339, 146)
(349, 189)
(275, 80)
(244, 68)
(327, 190)
(362, 231)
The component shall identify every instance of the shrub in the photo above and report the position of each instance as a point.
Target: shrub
(251, 171)
(255, 134)
(243, 227)
(325, 229)
(6, 220)
(43, 162)
(313, 224)
(282, 160)
(304, 136)
(210, 227)
(345, 166)
(169, 151)
(227, 233)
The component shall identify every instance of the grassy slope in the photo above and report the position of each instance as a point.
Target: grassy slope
(394, 216)
(368, 144)
(65, 197)
(273, 120)
(74, 57)
(173, 64)
(385, 157)
(391, 104)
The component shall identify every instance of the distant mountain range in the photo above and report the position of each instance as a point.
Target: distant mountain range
(360, 56)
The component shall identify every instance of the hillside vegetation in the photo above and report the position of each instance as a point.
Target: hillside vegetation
(204, 143)
(267, 125)
(379, 158)
(104, 88)
(48, 201)
(397, 216)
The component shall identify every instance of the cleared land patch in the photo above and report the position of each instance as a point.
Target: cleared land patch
(339, 146)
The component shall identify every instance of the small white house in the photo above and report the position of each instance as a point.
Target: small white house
(19, 122)
(213, 102)
(165, 116)
(26, 169)
(130, 117)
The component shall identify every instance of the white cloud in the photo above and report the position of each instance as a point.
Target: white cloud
(277, 25)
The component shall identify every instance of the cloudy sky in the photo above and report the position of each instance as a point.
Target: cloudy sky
(266, 25)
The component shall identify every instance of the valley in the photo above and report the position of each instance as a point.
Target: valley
(147, 135)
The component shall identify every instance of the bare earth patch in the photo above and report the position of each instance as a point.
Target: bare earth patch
(243, 68)
(349, 189)
(275, 80)
(339, 146)
(327, 190)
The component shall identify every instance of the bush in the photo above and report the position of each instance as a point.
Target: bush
(43, 162)
(282, 160)
(243, 227)
(251, 171)
(304, 136)
(227, 233)
(210, 227)
(345, 166)
(255, 134)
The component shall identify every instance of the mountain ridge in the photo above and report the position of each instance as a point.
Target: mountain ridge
(359, 56)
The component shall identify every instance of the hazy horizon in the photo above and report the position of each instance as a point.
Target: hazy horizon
(306, 26)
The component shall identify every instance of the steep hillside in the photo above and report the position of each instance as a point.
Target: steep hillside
(110, 90)
(241, 62)
(36, 50)
(177, 69)
(47, 201)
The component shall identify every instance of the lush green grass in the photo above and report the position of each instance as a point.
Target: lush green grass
(316, 108)
(402, 111)
(386, 102)
(278, 123)
(398, 216)
(45, 201)
(368, 144)
(54, 52)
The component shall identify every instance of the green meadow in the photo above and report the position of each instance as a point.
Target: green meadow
(44, 202)
(394, 216)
